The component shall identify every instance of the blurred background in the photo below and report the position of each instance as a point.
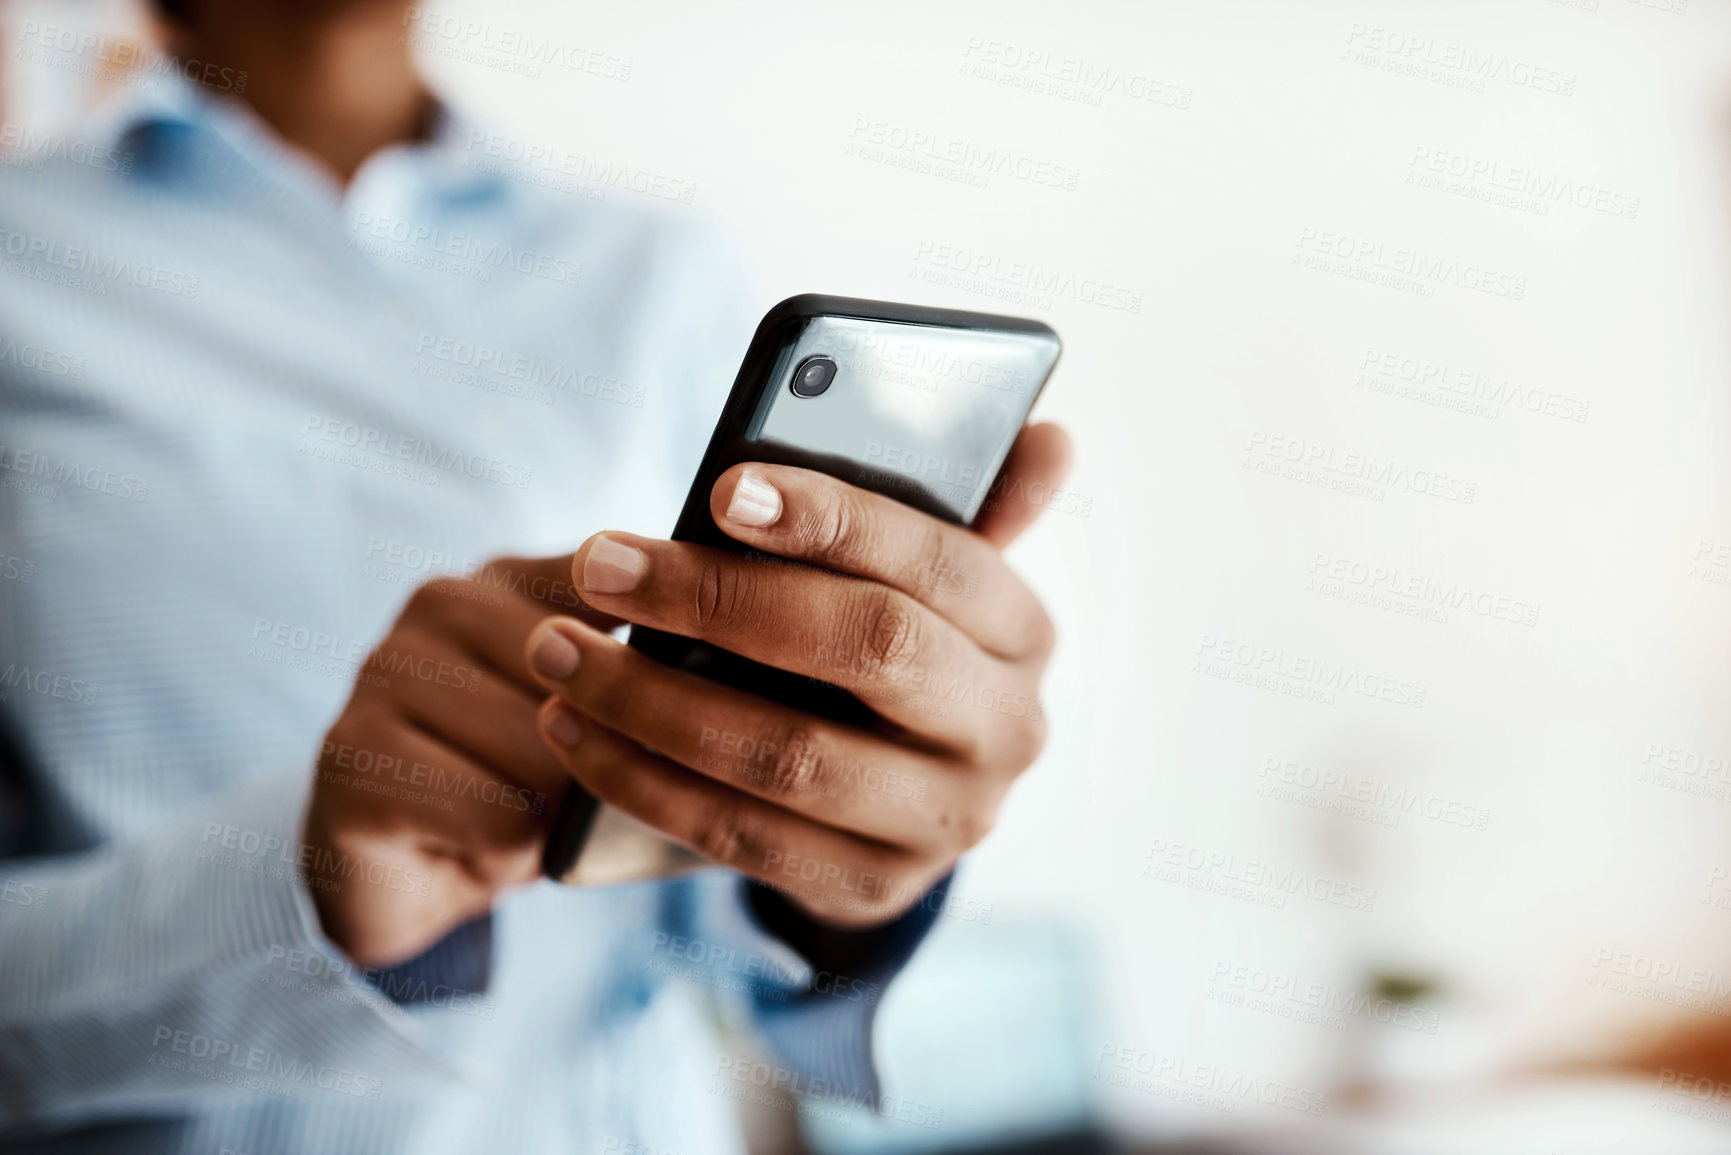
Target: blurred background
(1388, 805)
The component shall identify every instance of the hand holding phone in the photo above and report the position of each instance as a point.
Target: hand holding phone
(829, 689)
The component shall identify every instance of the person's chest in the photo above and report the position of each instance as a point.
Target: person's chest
(236, 437)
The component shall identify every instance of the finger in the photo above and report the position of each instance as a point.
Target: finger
(421, 898)
(1038, 463)
(490, 615)
(407, 786)
(857, 881)
(833, 774)
(539, 583)
(546, 580)
(446, 693)
(803, 514)
(904, 661)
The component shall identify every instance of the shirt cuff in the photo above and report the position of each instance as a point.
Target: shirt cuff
(461, 963)
(817, 1018)
(194, 942)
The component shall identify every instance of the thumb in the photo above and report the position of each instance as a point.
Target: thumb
(1038, 462)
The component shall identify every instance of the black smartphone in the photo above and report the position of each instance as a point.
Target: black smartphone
(919, 404)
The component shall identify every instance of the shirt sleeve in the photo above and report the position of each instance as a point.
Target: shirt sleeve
(814, 1013)
(185, 967)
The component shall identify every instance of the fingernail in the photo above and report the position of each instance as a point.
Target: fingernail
(613, 567)
(554, 655)
(755, 501)
(562, 724)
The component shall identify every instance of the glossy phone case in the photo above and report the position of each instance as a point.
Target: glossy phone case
(924, 407)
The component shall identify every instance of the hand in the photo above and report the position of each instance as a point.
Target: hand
(433, 790)
(920, 619)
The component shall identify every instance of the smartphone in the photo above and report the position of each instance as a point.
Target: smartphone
(919, 404)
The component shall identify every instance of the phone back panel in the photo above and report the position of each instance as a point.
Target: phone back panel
(924, 407)
(924, 413)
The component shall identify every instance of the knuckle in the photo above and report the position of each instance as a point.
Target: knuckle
(836, 530)
(889, 635)
(728, 837)
(972, 829)
(495, 569)
(422, 603)
(1042, 634)
(501, 572)
(1016, 743)
(899, 889)
(1030, 740)
(969, 825)
(801, 766)
(368, 720)
(934, 563)
(496, 838)
(721, 596)
(509, 865)
(876, 909)
(369, 691)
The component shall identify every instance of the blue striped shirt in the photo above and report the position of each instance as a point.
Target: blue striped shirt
(244, 413)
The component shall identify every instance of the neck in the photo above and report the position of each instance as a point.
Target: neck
(334, 79)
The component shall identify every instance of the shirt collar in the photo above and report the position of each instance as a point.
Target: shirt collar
(128, 120)
(149, 101)
(448, 155)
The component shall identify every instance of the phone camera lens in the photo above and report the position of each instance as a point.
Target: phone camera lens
(813, 376)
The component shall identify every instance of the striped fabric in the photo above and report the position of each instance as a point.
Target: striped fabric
(242, 414)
